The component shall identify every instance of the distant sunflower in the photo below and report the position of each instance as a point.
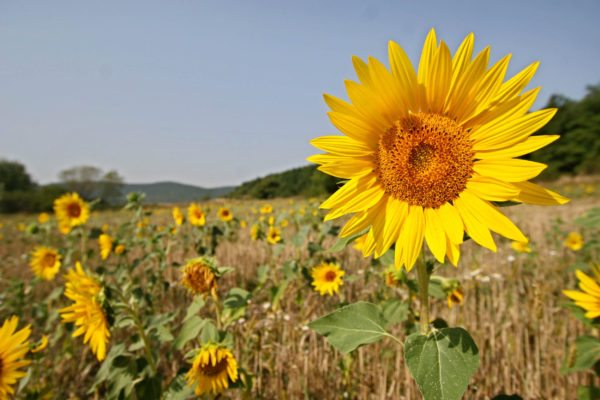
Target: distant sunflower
(274, 235)
(266, 209)
(255, 232)
(45, 262)
(589, 300)
(212, 370)
(43, 218)
(456, 296)
(177, 216)
(196, 216)
(106, 244)
(225, 214)
(71, 210)
(425, 153)
(520, 247)
(87, 313)
(327, 278)
(120, 249)
(13, 347)
(574, 241)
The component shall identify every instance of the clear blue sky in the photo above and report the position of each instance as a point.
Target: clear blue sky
(220, 92)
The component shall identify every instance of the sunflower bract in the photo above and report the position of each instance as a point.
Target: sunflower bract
(426, 152)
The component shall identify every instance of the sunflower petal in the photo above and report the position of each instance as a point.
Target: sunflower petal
(534, 194)
(527, 146)
(509, 170)
(477, 230)
(492, 189)
(411, 235)
(434, 234)
(342, 145)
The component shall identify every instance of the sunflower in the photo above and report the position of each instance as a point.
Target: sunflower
(520, 247)
(273, 235)
(120, 249)
(177, 216)
(45, 262)
(212, 370)
(225, 214)
(43, 218)
(13, 347)
(87, 311)
(455, 297)
(195, 215)
(327, 278)
(106, 244)
(255, 232)
(425, 153)
(590, 299)
(574, 241)
(199, 278)
(266, 209)
(71, 210)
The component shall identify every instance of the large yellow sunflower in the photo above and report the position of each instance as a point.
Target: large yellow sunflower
(212, 369)
(589, 299)
(71, 210)
(86, 312)
(425, 153)
(45, 262)
(13, 347)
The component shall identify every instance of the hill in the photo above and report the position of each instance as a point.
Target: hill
(304, 181)
(173, 192)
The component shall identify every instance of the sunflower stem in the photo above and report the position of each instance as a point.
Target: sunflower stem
(423, 279)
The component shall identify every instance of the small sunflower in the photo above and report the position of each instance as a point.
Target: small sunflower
(574, 241)
(13, 347)
(43, 218)
(45, 262)
(520, 247)
(274, 235)
(212, 370)
(327, 278)
(589, 300)
(196, 216)
(266, 209)
(106, 244)
(87, 312)
(225, 214)
(177, 216)
(199, 278)
(455, 297)
(71, 210)
(425, 153)
(255, 232)
(119, 249)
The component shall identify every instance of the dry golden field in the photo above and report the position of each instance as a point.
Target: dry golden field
(511, 304)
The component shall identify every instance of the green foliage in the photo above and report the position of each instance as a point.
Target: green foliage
(588, 393)
(582, 354)
(442, 362)
(305, 181)
(578, 123)
(14, 177)
(352, 326)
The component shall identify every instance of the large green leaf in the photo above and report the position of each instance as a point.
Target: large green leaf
(190, 329)
(352, 326)
(588, 393)
(582, 355)
(442, 362)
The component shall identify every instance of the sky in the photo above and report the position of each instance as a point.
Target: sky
(215, 93)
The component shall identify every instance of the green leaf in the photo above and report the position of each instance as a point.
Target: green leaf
(210, 333)
(352, 326)
(190, 329)
(388, 258)
(236, 298)
(179, 389)
(300, 237)
(579, 313)
(588, 393)
(442, 362)
(394, 310)
(343, 242)
(194, 308)
(582, 354)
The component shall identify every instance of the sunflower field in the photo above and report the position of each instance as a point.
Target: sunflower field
(392, 288)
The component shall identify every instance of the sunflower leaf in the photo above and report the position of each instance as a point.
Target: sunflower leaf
(442, 362)
(345, 241)
(582, 355)
(352, 326)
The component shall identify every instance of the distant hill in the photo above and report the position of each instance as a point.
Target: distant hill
(173, 192)
(304, 181)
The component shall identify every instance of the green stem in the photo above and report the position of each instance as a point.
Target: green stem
(140, 327)
(423, 279)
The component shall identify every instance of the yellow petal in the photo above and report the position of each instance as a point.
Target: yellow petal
(438, 79)
(453, 225)
(354, 127)
(426, 66)
(476, 230)
(368, 104)
(404, 73)
(509, 169)
(388, 225)
(587, 284)
(435, 234)
(452, 251)
(462, 58)
(529, 145)
(342, 145)
(516, 84)
(534, 194)
(492, 189)
(349, 169)
(411, 236)
(362, 200)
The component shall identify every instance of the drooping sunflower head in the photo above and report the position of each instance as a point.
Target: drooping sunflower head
(425, 152)
(213, 368)
(589, 299)
(45, 262)
(327, 277)
(71, 210)
(225, 214)
(196, 216)
(274, 235)
(13, 347)
(106, 244)
(199, 277)
(177, 216)
(87, 311)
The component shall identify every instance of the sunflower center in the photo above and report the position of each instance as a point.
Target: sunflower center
(424, 160)
(74, 210)
(330, 276)
(49, 260)
(212, 370)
